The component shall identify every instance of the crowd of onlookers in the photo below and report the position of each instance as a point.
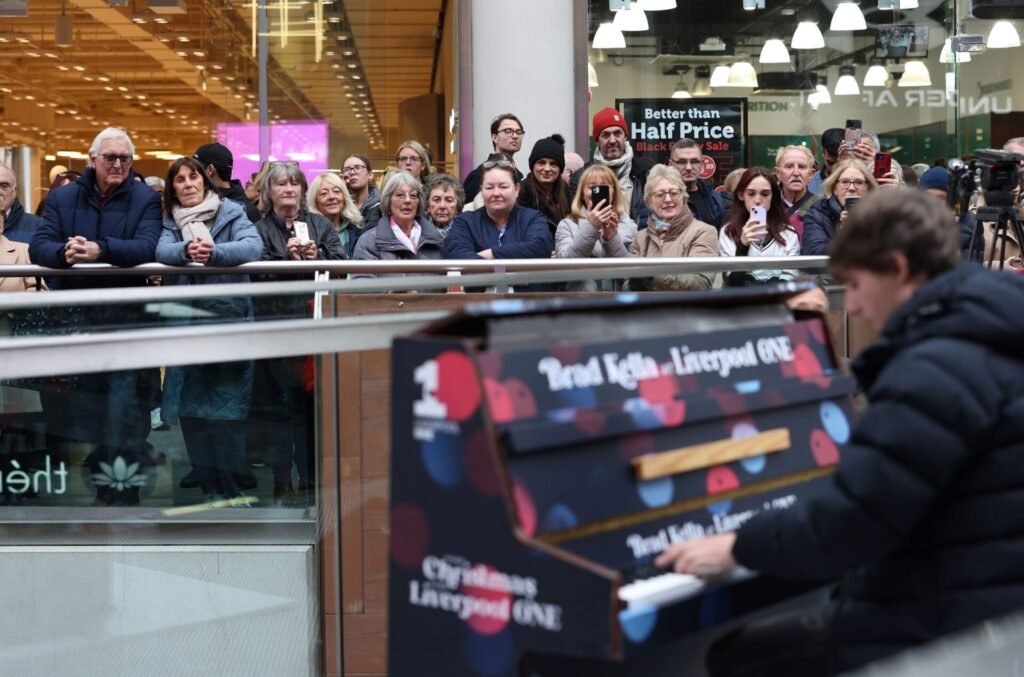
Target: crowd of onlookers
(617, 204)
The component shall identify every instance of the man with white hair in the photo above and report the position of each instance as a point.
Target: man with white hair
(105, 217)
(19, 225)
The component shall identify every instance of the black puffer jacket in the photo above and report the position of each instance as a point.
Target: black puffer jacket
(926, 509)
(820, 225)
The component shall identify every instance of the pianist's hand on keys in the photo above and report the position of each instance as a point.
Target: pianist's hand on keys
(711, 556)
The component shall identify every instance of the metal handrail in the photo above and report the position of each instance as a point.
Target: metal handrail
(338, 268)
(416, 277)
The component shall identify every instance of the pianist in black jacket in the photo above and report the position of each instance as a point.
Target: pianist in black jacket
(924, 520)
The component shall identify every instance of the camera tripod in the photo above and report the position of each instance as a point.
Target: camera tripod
(1004, 217)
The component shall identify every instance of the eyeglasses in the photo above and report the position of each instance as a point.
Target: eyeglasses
(853, 183)
(683, 163)
(111, 159)
(509, 131)
(402, 197)
(355, 169)
(504, 164)
(675, 194)
(410, 158)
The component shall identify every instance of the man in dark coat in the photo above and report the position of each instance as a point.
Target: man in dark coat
(19, 226)
(923, 512)
(218, 162)
(614, 151)
(706, 204)
(506, 137)
(106, 217)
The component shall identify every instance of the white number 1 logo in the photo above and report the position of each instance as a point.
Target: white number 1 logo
(428, 376)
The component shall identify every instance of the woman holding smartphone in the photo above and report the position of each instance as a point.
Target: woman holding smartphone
(598, 225)
(758, 226)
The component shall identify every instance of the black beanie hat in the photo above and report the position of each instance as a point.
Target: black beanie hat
(552, 147)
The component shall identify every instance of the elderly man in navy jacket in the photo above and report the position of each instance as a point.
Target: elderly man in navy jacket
(106, 217)
(922, 518)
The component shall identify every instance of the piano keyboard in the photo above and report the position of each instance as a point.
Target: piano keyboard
(668, 588)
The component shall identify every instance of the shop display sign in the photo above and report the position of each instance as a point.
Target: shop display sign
(718, 125)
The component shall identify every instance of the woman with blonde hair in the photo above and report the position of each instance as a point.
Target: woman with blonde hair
(849, 179)
(672, 231)
(412, 157)
(596, 230)
(328, 196)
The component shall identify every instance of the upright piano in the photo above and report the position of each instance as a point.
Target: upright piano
(544, 452)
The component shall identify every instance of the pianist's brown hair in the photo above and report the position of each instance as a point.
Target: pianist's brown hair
(915, 224)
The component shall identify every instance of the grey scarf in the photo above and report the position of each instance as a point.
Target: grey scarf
(204, 211)
(621, 166)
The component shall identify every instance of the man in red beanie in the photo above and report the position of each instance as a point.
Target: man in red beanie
(613, 151)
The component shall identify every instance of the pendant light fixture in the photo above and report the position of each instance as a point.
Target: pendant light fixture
(848, 17)
(1002, 36)
(681, 92)
(807, 36)
(774, 51)
(632, 19)
(742, 74)
(720, 77)
(876, 76)
(608, 37)
(822, 92)
(702, 85)
(846, 85)
(915, 74)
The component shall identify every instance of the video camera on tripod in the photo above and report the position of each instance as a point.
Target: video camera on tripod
(993, 175)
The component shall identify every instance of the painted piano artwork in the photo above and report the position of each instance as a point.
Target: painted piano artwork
(544, 452)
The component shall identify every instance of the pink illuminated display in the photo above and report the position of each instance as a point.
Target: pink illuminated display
(302, 141)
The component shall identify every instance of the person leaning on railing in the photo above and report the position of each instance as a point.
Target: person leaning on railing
(596, 230)
(672, 231)
(403, 232)
(329, 197)
(744, 235)
(212, 400)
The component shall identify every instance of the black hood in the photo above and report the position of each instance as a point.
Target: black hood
(967, 303)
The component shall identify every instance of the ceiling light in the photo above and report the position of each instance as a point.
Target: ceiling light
(656, 5)
(681, 92)
(742, 74)
(774, 51)
(608, 37)
(846, 85)
(947, 55)
(807, 36)
(876, 76)
(822, 92)
(1002, 36)
(720, 76)
(848, 17)
(915, 74)
(632, 19)
(702, 86)
(814, 100)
